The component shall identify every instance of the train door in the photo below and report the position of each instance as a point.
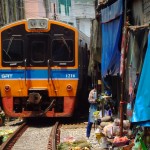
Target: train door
(36, 70)
(37, 51)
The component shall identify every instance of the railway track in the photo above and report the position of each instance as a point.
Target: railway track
(32, 135)
(54, 137)
(30, 138)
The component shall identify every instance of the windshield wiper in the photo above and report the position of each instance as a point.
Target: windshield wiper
(9, 44)
(7, 50)
(7, 54)
(68, 48)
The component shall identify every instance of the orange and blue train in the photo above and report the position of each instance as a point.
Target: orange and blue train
(43, 68)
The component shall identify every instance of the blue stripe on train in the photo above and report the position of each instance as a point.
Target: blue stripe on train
(38, 74)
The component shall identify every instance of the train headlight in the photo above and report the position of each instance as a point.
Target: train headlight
(32, 23)
(7, 88)
(69, 87)
(38, 23)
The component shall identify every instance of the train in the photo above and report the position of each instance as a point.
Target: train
(43, 69)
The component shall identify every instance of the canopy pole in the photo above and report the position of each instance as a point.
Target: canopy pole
(122, 80)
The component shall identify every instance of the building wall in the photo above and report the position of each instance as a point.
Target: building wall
(83, 14)
(34, 9)
(79, 13)
(85, 26)
(84, 10)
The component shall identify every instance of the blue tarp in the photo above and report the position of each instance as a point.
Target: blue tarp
(112, 12)
(141, 113)
(111, 32)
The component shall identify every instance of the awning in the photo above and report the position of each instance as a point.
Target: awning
(141, 111)
(111, 34)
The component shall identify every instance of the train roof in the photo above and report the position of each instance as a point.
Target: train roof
(82, 36)
(24, 20)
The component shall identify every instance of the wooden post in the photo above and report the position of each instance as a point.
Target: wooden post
(122, 79)
(54, 12)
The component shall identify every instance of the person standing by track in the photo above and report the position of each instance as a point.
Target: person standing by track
(93, 107)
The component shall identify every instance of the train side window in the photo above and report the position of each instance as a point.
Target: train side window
(12, 50)
(38, 51)
(62, 50)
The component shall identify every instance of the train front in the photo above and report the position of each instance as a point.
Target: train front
(38, 68)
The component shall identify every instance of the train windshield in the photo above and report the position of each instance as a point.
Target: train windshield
(38, 51)
(12, 50)
(62, 50)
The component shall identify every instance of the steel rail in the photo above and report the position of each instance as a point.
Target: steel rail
(53, 139)
(14, 137)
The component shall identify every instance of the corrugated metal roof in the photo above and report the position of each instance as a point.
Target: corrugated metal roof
(146, 4)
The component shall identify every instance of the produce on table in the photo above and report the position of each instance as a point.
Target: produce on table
(120, 141)
(4, 134)
(76, 145)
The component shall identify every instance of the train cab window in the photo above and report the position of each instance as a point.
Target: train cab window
(62, 50)
(12, 50)
(38, 51)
